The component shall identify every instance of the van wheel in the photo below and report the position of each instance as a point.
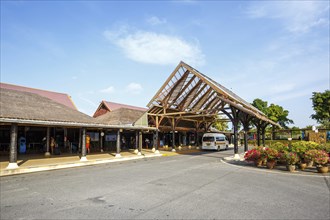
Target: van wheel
(226, 147)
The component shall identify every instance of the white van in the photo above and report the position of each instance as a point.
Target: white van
(214, 141)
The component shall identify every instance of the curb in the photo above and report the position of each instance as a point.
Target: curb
(274, 172)
(9, 172)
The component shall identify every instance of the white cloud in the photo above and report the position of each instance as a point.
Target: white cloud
(283, 87)
(156, 21)
(297, 16)
(154, 48)
(109, 90)
(134, 88)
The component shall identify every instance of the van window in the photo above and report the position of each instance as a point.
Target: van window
(220, 138)
(208, 138)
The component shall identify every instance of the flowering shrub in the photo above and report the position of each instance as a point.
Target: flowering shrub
(319, 157)
(291, 158)
(270, 154)
(253, 155)
(279, 147)
(300, 148)
(310, 155)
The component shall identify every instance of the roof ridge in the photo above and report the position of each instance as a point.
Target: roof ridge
(34, 88)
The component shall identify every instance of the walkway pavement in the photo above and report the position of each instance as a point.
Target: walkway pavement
(35, 163)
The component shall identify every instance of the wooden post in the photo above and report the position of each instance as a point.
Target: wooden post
(258, 135)
(101, 140)
(47, 153)
(13, 147)
(246, 146)
(140, 143)
(118, 144)
(83, 145)
(263, 131)
(157, 142)
(235, 124)
(173, 135)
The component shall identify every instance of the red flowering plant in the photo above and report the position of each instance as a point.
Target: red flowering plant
(270, 154)
(310, 155)
(253, 154)
(291, 158)
(320, 157)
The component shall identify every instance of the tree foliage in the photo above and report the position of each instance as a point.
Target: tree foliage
(321, 106)
(220, 124)
(277, 114)
(261, 105)
(274, 112)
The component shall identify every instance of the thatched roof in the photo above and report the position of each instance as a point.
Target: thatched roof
(30, 106)
(61, 98)
(121, 116)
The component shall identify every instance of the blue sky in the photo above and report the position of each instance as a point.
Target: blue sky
(123, 51)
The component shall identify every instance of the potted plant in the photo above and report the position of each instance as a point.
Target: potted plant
(291, 160)
(321, 159)
(271, 155)
(300, 148)
(254, 155)
(310, 156)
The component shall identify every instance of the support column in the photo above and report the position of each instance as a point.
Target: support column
(258, 135)
(196, 139)
(83, 145)
(136, 151)
(118, 145)
(13, 148)
(246, 146)
(47, 153)
(173, 135)
(263, 131)
(154, 142)
(157, 142)
(235, 125)
(140, 144)
(80, 144)
(173, 140)
(101, 140)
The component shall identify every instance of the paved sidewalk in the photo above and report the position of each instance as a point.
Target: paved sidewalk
(36, 163)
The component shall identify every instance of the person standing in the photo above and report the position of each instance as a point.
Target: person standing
(52, 144)
(88, 142)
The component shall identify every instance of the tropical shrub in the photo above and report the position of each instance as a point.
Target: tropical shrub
(319, 157)
(291, 158)
(253, 154)
(270, 154)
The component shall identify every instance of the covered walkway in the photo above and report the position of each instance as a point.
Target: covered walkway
(189, 101)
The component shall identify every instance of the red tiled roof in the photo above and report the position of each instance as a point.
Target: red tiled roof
(113, 106)
(61, 98)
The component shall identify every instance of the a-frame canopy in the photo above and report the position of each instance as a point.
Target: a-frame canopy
(194, 99)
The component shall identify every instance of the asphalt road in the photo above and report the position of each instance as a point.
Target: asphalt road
(176, 187)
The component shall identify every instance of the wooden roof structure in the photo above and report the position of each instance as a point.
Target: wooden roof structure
(32, 109)
(189, 99)
(19, 106)
(120, 116)
(61, 98)
(106, 106)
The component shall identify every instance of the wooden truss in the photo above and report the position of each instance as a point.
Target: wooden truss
(189, 100)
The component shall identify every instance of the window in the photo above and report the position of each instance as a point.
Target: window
(208, 139)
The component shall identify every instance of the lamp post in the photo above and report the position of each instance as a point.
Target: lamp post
(290, 147)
